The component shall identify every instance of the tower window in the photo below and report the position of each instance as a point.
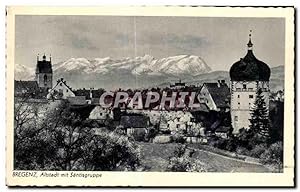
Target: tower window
(251, 96)
(239, 103)
(45, 79)
(235, 118)
(238, 96)
(244, 86)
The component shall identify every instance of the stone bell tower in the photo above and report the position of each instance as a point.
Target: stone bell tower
(43, 73)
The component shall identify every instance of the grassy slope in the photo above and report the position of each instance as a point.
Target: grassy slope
(155, 157)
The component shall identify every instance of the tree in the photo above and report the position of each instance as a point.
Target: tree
(273, 156)
(29, 147)
(182, 161)
(110, 151)
(63, 140)
(259, 122)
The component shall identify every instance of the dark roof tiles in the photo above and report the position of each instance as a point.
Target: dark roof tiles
(250, 68)
(220, 93)
(137, 121)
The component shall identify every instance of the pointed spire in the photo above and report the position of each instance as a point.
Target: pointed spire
(250, 44)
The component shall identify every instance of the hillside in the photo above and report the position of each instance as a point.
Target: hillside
(155, 157)
(276, 79)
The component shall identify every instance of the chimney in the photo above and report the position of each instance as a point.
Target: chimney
(219, 83)
(91, 93)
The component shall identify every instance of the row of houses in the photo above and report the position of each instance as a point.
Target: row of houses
(212, 97)
(215, 96)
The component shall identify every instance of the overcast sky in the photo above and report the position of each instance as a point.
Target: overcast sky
(219, 41)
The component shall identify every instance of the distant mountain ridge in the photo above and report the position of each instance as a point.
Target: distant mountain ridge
(145, 71)
(180, 65)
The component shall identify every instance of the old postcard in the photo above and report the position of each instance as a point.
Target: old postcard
(150, 96)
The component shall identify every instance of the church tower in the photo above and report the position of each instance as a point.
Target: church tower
(43, 73)
(247, 76)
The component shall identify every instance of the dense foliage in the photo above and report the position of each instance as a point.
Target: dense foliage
(62, 140)
(182, 161)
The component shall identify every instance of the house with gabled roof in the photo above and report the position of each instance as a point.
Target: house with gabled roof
(215, 95)
(135, 124)
(60, 91)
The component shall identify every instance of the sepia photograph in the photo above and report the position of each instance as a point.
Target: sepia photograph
(145, 93)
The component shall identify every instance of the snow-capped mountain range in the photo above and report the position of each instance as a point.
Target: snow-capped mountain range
(23, 72)
(176, 65)
(137, 72)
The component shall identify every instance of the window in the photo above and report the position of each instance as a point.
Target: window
(235, 118)
(177, 126)
(251, 96)
(244, 86)
(60, 84)
(239, 103)
(101, 114)
(67, 90)
(45, 79)
(238, 96)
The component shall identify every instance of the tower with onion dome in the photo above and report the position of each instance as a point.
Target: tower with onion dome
(247, 76)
